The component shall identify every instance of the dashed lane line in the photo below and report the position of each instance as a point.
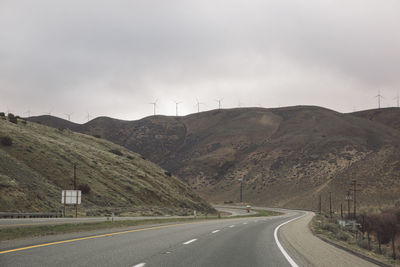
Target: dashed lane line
(190, 241)
(215, 231)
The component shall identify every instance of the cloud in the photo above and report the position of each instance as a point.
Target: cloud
(114, 57)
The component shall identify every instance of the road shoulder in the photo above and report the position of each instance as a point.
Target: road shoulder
(309, 250)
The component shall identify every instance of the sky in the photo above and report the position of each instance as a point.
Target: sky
(113, 58)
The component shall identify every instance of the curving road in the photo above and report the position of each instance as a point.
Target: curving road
(250, 241)
(228, 242)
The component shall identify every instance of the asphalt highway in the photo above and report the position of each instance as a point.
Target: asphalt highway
(246, 241)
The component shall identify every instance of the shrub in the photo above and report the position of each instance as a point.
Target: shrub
(2, 114)
(168, 174)
(6, 141)
(130, 157)
(342, 236)
(331, 227)
(97, 135)
(116, 152)
(12, 118)
(85, 188)
(363, 244)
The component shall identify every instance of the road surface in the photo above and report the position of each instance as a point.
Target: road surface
(250, 241)
(227, 242)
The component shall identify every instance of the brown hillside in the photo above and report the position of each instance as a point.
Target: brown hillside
(387, 116)
(286, 156)
(39, 164)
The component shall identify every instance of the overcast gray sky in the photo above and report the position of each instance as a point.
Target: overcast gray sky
(114, 57)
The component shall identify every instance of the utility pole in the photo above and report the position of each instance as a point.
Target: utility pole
(348, 198)
(330, 204)
(320, 204)
(354, 184)
(341, 210)
(241, 189)
(74, 176)
(76, 205)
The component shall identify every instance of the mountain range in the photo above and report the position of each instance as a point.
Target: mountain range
(287, 157)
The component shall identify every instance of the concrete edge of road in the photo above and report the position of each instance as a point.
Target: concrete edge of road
(355, 253)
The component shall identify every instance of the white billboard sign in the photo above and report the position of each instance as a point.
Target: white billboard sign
(71, 197)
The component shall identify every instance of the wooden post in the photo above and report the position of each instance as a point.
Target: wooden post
(76, 205)
(65, 200)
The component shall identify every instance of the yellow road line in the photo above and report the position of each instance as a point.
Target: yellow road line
(92, 237)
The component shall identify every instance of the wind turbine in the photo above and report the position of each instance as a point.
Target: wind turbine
(154, 105)
(398, 99)
(88, 116)
(176, 106)
(68, 115)
(48, 113)
(219, 102)
(28, 112)
(198, 105)
(379, 96)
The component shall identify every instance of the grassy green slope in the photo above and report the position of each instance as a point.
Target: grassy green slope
(39, 164)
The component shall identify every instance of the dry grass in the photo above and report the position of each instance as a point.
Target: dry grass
(39, 164)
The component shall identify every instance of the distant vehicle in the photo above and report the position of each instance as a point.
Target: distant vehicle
(248, 207)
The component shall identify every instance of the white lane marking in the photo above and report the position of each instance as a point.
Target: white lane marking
(245, 223)
(288, 258)
(231, 226)
(190, 241)
(139, 265)
(216, 231)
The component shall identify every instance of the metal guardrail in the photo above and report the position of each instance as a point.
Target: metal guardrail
(18, 215)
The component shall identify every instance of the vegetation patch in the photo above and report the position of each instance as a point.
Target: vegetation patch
(6, 141)
(116, 152)
(372, 234)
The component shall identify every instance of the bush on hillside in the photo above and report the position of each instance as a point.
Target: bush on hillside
(2, 114)
(12, 118)
(6, 141)
(97, 135)
(85, 188)
(116, 152)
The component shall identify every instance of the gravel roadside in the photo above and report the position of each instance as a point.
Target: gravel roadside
(308, 250)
